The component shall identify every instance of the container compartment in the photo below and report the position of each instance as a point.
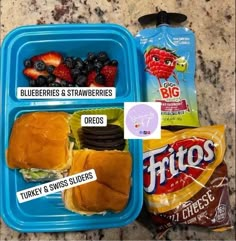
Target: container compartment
(47, 214)
(70, 40)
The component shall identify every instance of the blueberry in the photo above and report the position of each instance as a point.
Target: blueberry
(86, 62)
(102, 56)
(79, 63)
(51, 78)
(39, 65)
(75, 72)
(64, 83)
(91, 57)
(98, 65)
(28, 63)
(100, 79)
(90, 67)
(114, 62)
(55, 84)
(107, 62)
(50, 69)
(95, 61)
(84, 71)
(97, 71)
(81, 81)
(69, 62)
(32, 83)
(41, 80)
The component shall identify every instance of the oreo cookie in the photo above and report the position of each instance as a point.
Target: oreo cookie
(109, 137)
(97, 148)
(103, 130)
(104, 143)
(101, 137)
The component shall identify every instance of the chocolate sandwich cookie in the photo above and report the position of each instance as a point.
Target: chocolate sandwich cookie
(103, 130)
(109, 137)
(97, 148)
(102, 137)
(104, 143)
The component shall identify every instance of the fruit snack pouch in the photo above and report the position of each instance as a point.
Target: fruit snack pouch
(167, 60)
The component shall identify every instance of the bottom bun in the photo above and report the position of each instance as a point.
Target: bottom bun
(110, 192)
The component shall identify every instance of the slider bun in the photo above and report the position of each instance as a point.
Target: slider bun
(40, 140)
(110, 192)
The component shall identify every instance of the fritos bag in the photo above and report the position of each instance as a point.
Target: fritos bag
(185, 179)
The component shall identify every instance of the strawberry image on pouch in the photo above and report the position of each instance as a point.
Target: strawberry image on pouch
(161, 62)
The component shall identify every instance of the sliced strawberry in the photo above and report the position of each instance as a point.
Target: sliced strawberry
(57, 80)
(109, 71)
(95, 84)
(49, 58)
(91, 77)
(63, 72)
(33, 73)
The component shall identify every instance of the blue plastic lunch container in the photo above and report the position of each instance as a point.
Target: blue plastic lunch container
(47, 214)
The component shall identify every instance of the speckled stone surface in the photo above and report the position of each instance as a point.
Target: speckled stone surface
(213, 22)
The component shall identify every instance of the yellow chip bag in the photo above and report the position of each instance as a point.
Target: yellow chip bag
(185, 178)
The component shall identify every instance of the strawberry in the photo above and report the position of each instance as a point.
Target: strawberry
(160, 62)
(33, 73)
(91, 77)
(92, 80)
(109, 71)
(95, 84)
(49, 58)
(63, 72)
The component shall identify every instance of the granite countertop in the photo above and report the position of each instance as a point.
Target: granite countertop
(213, 22)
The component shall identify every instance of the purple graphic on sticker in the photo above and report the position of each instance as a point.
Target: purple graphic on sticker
(142, 120)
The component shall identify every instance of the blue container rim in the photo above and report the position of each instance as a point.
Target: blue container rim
(82, 26)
